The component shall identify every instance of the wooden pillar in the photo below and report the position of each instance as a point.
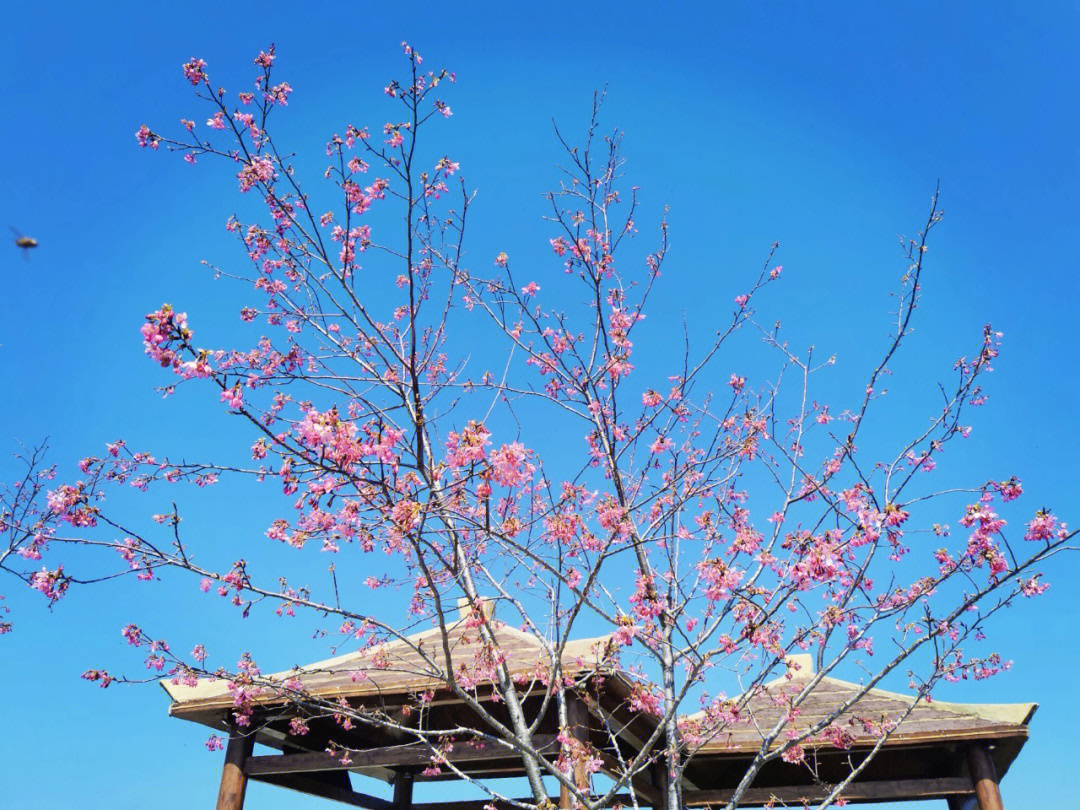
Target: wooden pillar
(403, 785)
(984, 778)
(577, 718)
(660, 780)
(233, 779)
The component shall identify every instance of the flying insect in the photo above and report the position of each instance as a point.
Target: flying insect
(24, 242)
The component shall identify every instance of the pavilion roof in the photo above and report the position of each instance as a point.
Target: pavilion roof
(877, 709)
(403, 667)
(398, 668)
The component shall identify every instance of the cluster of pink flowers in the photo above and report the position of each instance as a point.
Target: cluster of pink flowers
(34, 548)
(347, 255)
(258, 170)
(199, 367)
(134, 635)
(574, 752)
(193, 70)
(1045, 526)
(580, 251)
(330, 432)
(838, 737)
(644, 699)
(279, 94)
(647, 601)
(717, 714)
(895, 515)
(214, 743)
(147, 138)
(650, 399)
(660, 444)
(818, 557)
(405, 515)
(561, 528)
(70, 505)
(361, 198)
(338, 439)
(870, 520)
(719, 578)
(99, 676)
(52, 584)
(1009, 490)
(248, 120)
(510, 465)
(234, 396)
(1032, 586)
(613, 518)
(982, 548)
(163, 328)
(468, 446)
(746, 434)
(620, 322)
(793, 754)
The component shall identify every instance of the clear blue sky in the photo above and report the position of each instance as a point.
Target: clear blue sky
(823, 126)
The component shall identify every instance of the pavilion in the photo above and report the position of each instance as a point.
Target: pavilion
(945, 751)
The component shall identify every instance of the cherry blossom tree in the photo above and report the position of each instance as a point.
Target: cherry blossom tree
(704, 522)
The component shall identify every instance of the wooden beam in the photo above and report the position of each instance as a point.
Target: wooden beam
(479, 804)
(317, 785)
(722, 745)
(398, 756)
(984, 778)
(892, 790)
(233, 779)
(505, 770)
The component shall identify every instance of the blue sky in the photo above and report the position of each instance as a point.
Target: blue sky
(823, 128)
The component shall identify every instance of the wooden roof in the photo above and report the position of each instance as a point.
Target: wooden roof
(415, 664)
(397, 668)
(864, 720)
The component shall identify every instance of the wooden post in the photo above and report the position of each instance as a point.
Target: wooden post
(577, 718)
(403, 785)
(233, 779)
(660, 780)
(984, 778)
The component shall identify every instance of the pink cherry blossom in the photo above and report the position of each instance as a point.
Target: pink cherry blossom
(193, 71)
